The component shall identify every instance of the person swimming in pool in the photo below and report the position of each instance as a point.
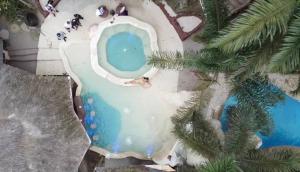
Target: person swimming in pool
(144, 82)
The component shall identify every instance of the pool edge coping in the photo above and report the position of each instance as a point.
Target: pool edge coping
(113, 22)
(67, 66)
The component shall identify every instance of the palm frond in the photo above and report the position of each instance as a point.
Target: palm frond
(205, 61)
(256, 59)
(263, 20)
(194, 130)
(224, 164)
(171, 60)
(271, 160)
(257, 93)
(287, 60)
(216, 13)
(241, 128)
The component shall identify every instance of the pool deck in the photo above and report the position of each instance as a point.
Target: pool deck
(51, 51)
(51, 48)
(166, 89)
(50, 61)
(110, 24)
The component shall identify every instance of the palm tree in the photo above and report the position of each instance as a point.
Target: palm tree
(266, 38)
(270, 27)
(251, 44)
(247, 117)
(216, 18)
(227, 163)
(269, 160)
(194, 130)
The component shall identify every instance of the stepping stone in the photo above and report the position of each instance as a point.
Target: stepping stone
(189, 23)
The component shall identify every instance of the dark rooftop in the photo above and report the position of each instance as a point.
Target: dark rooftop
(40, 131)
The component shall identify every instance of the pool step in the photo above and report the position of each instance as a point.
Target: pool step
(49, 62)
(23, 52)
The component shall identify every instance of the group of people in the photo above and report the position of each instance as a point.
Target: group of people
(73, 23)
(121, 10)
(70, 24)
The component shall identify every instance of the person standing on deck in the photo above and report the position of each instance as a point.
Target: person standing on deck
(77, 19)
(61, 36)
(68, 25)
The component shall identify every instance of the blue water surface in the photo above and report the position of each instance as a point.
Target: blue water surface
(107, 121)
(125, 51)
(286, 118)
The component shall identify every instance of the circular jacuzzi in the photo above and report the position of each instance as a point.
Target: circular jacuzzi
(120, 49)
(125, 51)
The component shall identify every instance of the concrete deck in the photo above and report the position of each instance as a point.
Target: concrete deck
(22, 44)
(49, 60)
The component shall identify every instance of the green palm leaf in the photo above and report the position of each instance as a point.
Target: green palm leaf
(241, 128)
(216, 18)
(206, 60)
(194, 130)
(287, 60)
(256, 59)
(225, 164)
(263, 20)
(171, 60)
(258, 94)
(272, 160)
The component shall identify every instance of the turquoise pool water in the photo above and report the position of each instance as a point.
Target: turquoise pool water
(104, 131)
(286, 118)
(117, 123)
(125, 51)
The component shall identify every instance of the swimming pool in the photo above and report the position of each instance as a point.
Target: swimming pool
(123, 51)
(119, 51)
(286, 118)
(124, 121)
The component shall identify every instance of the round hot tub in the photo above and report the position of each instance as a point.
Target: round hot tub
(125, 51)
(120, 49)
